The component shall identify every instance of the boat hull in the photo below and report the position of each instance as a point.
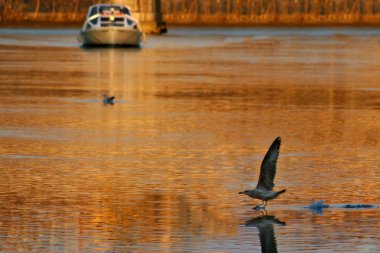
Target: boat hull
(111, 36)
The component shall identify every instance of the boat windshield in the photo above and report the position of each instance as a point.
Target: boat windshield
(113, 10)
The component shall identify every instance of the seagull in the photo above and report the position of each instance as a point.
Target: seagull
(108, 100)
(264, 189)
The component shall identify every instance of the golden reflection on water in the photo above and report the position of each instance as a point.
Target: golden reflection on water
(160, 170)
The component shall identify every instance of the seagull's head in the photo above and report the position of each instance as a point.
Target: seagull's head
(246, 192)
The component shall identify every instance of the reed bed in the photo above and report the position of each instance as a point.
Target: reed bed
(213, 12)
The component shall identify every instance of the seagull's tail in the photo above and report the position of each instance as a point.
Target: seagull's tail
(280, 192)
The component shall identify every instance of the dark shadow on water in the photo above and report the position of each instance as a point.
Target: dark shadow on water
(266, 231)
(317, 207)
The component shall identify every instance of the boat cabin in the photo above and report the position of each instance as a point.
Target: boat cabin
(109, 15)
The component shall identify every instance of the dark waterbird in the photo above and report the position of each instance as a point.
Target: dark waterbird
(264, 189)
(107, 100)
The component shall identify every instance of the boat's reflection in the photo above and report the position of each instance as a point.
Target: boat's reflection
(266, 231)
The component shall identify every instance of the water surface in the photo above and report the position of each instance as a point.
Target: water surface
(195, 111)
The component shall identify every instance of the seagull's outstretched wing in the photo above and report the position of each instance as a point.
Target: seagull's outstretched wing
(268, 166)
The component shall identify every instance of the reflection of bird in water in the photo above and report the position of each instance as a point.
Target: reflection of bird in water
(266, 231)
(108, 100)
(263, 190)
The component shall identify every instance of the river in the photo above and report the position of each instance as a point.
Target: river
(195, 112)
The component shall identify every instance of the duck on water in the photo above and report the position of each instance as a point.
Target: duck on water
(108, 100)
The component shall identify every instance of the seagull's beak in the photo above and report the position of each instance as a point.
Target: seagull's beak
(241, 192)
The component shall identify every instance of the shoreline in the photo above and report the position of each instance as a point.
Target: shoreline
(78, 25)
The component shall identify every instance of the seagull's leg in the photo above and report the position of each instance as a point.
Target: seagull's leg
(257, 207)
(266, 203)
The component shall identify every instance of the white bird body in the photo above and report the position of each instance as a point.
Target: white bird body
(262, 194)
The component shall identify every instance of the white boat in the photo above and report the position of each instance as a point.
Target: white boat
(110, 24)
